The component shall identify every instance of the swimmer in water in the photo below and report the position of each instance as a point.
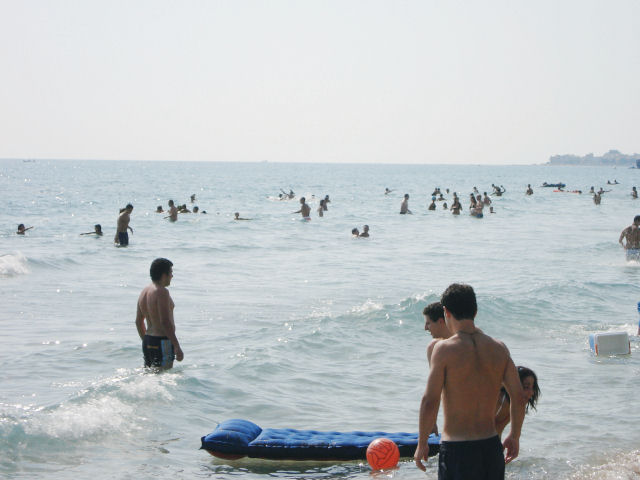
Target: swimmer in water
(159, 209)
(529, 190)
(305, 210)
(173, 212)
(238, 217)
(631, 236)
(21, 229)
(97, 230)
(634, 192)
(365, 231)
(355, 232)
(387, 191)
(404, 207)
(321, 208)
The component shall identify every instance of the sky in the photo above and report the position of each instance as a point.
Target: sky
(427, 82)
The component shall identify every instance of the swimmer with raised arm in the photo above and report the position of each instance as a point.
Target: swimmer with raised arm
(22, 229)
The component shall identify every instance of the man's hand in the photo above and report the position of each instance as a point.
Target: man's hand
(512, 446)
(422, 453)
(179, 354)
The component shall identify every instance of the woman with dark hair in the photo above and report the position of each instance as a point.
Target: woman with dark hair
(531, 389)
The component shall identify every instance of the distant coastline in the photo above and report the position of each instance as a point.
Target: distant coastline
(611, 158)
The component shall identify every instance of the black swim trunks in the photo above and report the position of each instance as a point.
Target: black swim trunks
(471, 460)
(123, 239)
(157, 351)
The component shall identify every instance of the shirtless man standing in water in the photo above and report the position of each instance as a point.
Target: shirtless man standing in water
(475, 366)
(122, 237)
(632, 235)
(159, 342)
(305, 209)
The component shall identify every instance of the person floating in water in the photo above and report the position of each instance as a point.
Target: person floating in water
(529, 190)
(404, 207)
(122, 236)
(238, 217)
(305, 210)
(597, 198)
(365, 231)
(631, 236)
(97, 230)
(466, 374)
(387, 191)
(355, 232)
(634, 192)
(160, 345)
(22, 229)
(432, 205)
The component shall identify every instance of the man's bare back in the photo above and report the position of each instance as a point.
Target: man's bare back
(155, 303)
(474, 366)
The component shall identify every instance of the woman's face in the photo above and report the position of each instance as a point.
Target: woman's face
(527, 386)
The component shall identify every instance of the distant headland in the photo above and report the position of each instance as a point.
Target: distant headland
(611, 158)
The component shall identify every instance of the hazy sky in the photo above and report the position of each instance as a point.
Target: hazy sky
(319, 81)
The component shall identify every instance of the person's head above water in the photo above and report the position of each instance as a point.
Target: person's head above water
(129, 207)
(98, 228)
(406, 195)
(636, 219)
(302, 200)
(354, 231)
(460, 301)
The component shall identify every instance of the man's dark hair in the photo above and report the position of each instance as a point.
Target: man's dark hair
(636, 218)
(434, 311)
(159, 267)
(460, 300)
(129, 206)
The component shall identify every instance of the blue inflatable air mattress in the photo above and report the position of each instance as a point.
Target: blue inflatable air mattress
(236, 438)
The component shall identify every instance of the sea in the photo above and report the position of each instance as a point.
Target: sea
(294, 324)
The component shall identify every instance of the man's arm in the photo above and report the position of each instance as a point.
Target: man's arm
(165, 312)
(622, 236)
(142, 329)
(429, 406)
(516, 410)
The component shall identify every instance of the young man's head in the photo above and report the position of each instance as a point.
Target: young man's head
(171, 204)
(459, 300)
(302, 200)
(161, 271)
(129, 208)
(636, 219)
(97, 228)
(434, 321)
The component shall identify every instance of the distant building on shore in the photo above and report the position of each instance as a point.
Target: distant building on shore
(611, 158)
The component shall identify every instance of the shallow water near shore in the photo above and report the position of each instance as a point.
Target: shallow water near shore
(296, 324)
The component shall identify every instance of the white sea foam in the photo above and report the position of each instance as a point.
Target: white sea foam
(13, 264)
(104, 415)
(624, 466)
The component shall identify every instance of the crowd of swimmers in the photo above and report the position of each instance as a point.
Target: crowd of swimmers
(477, 204)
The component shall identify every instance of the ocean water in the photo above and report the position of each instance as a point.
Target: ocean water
(296, 324)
